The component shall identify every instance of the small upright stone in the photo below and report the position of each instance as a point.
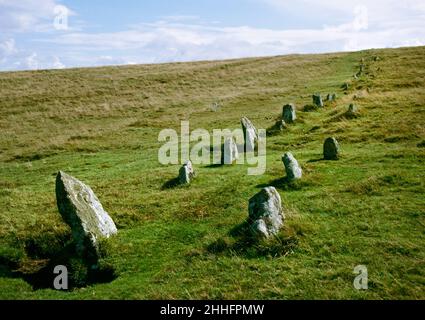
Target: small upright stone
(317, 100)
(83, 212)
(352, 111)
(250, 134)
(266, 216)
(230, 151)
(361, 70)
(331, 97)
(292, 168)
(281, 125)
(346, 86)
(186, 173)
(331, 149)
(289, 113)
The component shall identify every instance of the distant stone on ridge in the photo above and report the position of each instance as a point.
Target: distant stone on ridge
(266, 216)
(292, 168)
(317, 100)
(250, 134)
(186, 173)
(289, 113)
(331, 149)
(353, 111)
(83, 212)
(331, 97)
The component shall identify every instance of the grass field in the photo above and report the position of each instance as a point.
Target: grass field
(101, 125)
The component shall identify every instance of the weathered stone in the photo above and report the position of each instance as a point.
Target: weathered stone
(292, 168)
(186, 173)
(266, 216)
(83, 212)
(230, 151)
(317, 100)
(289, 113)
(352, 110)
(361, 70)
(346, 86)
(281, 125)
(331, 149)
(250, 134)
(331, 97)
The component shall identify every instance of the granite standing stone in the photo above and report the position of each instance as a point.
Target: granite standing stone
(317, 100)
(331, 149)
(250, 134)
(289, 113)
(186, 173)
(292, 168)
(83, 212)
(266, 215)
(230, 151)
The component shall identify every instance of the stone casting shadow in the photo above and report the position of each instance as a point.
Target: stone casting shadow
(241, 241)
(38, 271)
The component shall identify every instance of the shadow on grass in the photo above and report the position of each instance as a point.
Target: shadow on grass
(171, 184)
(285, 184)
(38, 270)
(316, 160)
(241, 241)
(214, 166)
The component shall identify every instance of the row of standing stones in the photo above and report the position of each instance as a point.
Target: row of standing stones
(266, 215)
(90, 223)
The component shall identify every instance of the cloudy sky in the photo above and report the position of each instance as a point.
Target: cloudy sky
(44, 34)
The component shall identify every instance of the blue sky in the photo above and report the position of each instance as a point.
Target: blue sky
(44, 34)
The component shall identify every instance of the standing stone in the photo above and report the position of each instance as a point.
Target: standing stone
(230, 151)
(186, 173)
(281, 125)
(250, 134)
(331, 97)
(83, 212)
(331, 149)
(289, 113)
(317, 100)
(266, 216)
(292, 168)
(352, 110)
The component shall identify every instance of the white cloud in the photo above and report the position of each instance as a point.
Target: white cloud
(31, 62)
(27, 15)
(57, 64)
(167, 41)
(332, 26)
(7, 47)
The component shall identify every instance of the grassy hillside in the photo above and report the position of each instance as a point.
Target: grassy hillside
(101, 125)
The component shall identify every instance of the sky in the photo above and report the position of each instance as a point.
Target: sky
(56, 34)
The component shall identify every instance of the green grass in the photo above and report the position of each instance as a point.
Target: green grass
(101, 125)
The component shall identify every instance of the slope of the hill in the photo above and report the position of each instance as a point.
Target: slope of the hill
(101, 125)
